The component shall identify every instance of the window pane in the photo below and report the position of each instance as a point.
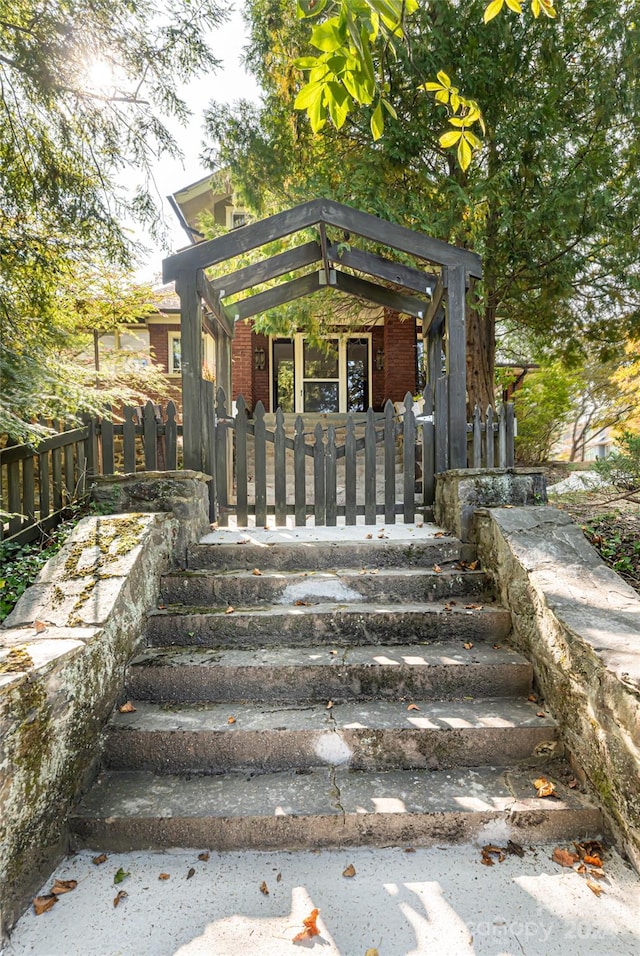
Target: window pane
(283, 375)
(175, 361)
(321, 397)
(317, 364)
(357, 375)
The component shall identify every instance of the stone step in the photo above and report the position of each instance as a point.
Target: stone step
(335, 624)
(248, 551)
(395, 586)
(369, 735)
(330, 808)
(432, 671)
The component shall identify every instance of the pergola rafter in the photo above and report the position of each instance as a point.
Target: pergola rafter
(435, 297)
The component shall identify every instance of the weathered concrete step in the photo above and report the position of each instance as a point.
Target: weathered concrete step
(334, 623)
(321, 673)
(134, 811)
(365, 735)
(394, 586)
(356, 551)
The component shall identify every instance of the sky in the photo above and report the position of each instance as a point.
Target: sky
(229, 83)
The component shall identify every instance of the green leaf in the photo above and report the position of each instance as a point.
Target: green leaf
(492, 11)
(450, 138)
(120, 876)
(328, 36)
(377, 122)
(306, 62)
(389, 108)
(338, 103)
(308, 95)
(317, 113)
(309, 8)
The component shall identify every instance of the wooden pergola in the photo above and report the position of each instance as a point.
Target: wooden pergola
(437, 298)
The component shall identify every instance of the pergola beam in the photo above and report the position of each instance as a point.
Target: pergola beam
(267, 269)
(386, 269)
(285, 292)
(380, 295)
(212, 299)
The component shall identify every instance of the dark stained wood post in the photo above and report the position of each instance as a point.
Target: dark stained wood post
(456, 366)
(191, 366)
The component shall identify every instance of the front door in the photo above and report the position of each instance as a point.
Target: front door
(334, 379)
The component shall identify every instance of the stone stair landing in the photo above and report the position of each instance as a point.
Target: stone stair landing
(333, 688)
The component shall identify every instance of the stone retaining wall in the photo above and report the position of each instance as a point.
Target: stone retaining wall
(579, 624)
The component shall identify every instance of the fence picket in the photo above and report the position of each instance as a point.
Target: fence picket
(428, 447)
(477, 438)
(171, 438)
(331, 480)
(370, 469)
(299, 474)
(510, 426)
(242, 498)
(106, 446)
(409, 459)
(56, 472)
(69, 474)
(220, 453)
(441, 417)
(150, 437)
(14, 503)
(350, 472)
(389, 463)
(319, 476)
(44, 489)
(260, 465)
(129, 440)
(280, 470)
(502, 437)
(489, 444)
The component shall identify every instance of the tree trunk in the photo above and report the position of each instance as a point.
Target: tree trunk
(481, 348)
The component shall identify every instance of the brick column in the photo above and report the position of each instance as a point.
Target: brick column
(399, 356)
(242, 363)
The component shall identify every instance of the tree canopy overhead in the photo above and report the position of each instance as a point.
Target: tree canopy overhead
(85, 89)
(551, 200)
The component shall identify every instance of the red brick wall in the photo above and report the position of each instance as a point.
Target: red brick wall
(377, 377)
(159, 342)
(261, 379)
(399, 356)
(242, 363)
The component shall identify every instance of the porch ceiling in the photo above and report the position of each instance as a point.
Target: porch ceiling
(320, 213)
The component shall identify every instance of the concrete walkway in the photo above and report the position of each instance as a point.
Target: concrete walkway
(434, 902)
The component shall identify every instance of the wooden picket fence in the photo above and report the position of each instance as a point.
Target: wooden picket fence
(378, 464)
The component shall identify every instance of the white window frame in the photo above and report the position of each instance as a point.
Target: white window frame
(298, 358)
(208, 351)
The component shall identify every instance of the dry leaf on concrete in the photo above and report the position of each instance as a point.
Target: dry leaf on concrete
(595, 887)
(164, 876)
(310, 927)
(264, 889)
(43, 903)
(121, 896)
(127, 708)
(230, 610)
(102, 858)
(63, 886)
(349, 871)
(563, 857)
(257, 572)
(413, 707)
(544, 787)
(204, 856)
(231, 720)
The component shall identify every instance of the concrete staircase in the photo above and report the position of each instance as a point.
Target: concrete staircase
(281, 705)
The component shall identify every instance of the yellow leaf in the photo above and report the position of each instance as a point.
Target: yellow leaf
(515, 6)
(535, 8)
(444, 79)
(442, 96)
(472, 140)
(464, 154)
(494, 9)
(450, 138)
(349, 871)
(431, 87)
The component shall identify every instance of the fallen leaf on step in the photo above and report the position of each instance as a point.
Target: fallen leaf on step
(581, 869)
(164, 876)
(438, 534)
(598, 874)
(257, 572)
(333, 652)
(310, 928)
(264, 889)
(231, 720)
(544, 787)
(43, 903)
(230, 610)
(381, 535)
(409, 849)
(39, 626)
(507, 506)
(532, 698)
(437, 569)
(302, 603)
(563, 857)
(120, 876)
(474, 607)
(368, 536)
(595, 887)
(371, 952)
(329, 704)
(593, 861)
(102, 858)
(278, 877)
(473, 565)
(127, 708)
(63, 886)
(413, 707)
(514, 848)
(540, 713)
(589, 848)
(121, 896)
(468, 645)
(191, 872)
(489, 851)
(448, 607)
(204, 856)
(572, 784)
(349, 870)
